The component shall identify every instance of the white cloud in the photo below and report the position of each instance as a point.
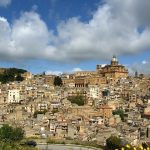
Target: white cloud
(144, 62)
(30, 35)
(56, 72)
(6, 44)
(113, 29)
(50, 72)
(76, 69)
(4, 3)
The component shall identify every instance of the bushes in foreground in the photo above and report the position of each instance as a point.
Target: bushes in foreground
(14, 146)
(115, 143)
(11, 134)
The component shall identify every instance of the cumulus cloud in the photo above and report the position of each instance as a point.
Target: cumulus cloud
(4, 3)
(117, 27)
(28, 37)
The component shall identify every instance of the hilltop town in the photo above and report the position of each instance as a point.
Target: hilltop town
(86, 106)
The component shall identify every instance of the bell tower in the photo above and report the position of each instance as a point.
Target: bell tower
(114, 61)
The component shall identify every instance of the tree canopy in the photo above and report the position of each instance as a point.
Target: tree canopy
(113, 142)
(119, 112)
(11, 74)
(78, 99)
(9, 134)
(57, 81)
(11, 138)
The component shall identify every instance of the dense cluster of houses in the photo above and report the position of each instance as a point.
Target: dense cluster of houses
(44, 110)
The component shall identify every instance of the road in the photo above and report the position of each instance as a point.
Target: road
(62, 147)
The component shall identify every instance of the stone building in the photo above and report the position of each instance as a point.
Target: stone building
(103, 75)
(106, 111)
(84, 73)
(68, 82)
(114, 71)
(27, 75)
(49, 79)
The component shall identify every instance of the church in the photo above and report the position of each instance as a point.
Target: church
(103, 75)
(112, 71)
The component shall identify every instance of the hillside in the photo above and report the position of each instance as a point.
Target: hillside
(11, 74)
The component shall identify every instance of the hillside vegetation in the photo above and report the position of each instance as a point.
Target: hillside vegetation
(11, 74)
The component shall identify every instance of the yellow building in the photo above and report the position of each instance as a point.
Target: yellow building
(27, 75)
(114, 71)
(49, 79)
(106, 111)
(84, 73)
(103, 75)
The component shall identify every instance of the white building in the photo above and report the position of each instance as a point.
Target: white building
(14, 96)
(94, 92)
(42, 106)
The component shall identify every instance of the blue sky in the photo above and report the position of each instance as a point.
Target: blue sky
(69, 35)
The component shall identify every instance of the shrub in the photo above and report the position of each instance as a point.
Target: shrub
(9, 134)
(79, 100)
(113, 142)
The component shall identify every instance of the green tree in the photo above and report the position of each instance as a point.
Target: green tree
(119, 112)
(19, 78)
(6, 133)
(79, 100)
(113, 142)
(18, 134)
(9, 134)
(57, 81)
(11, 74)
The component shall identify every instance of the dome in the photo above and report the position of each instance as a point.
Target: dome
(114, 58)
